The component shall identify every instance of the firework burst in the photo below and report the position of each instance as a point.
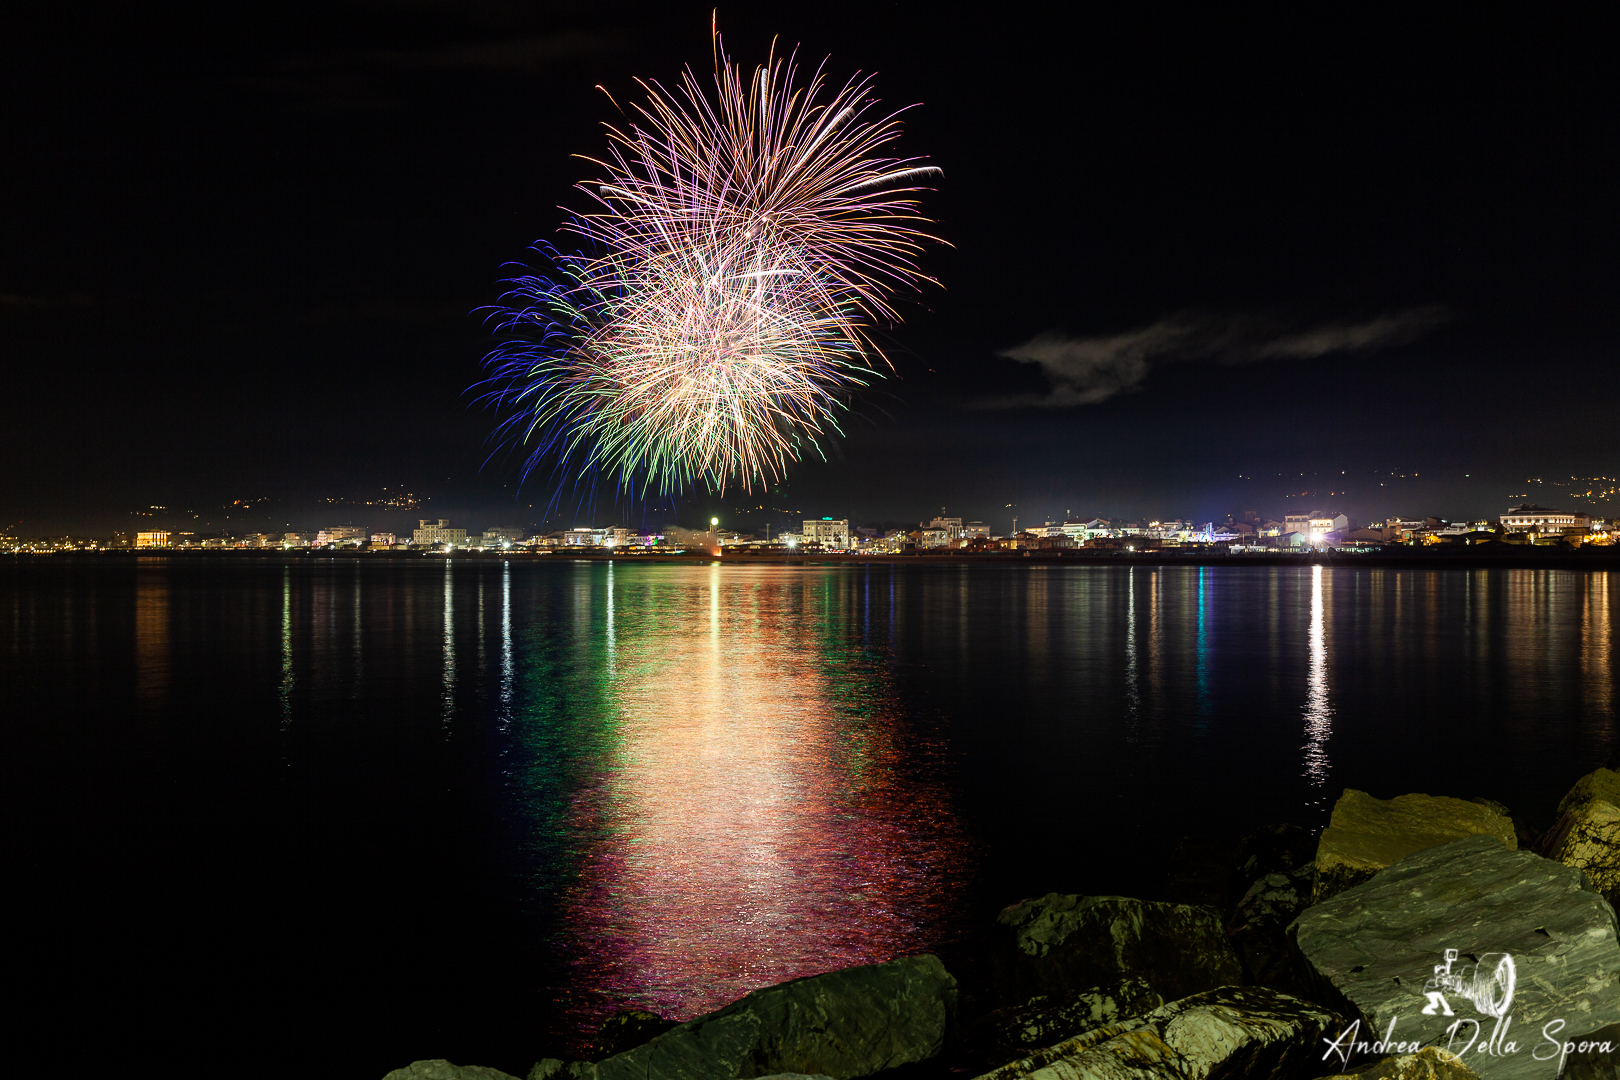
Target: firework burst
(739, 248)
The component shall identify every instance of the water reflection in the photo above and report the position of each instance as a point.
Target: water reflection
(758, 816)
(285, 687)
(1318, 711)
(152, 635)
(447, 695)
(1597, 662)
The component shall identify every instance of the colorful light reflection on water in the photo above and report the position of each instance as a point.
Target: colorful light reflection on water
(755, 811)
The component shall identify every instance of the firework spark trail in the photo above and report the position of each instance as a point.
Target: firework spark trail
(740, 246)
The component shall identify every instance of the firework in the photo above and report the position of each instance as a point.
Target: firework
(738, 249)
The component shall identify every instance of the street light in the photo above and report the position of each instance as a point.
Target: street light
(713, 522)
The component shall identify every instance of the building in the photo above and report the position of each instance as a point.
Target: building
(1329, 521)
(586, 537)
(430, 533)
(831, 533)
(951, 525)
(1317, 523)
(337, 533)
(1532, 518)
(494, 534)
(383, 538)
(157, 538)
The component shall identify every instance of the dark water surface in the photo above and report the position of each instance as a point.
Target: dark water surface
(332, 816)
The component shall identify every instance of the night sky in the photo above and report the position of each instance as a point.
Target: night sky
(1203, 259)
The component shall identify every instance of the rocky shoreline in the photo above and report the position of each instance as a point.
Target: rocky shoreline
(1417, 938)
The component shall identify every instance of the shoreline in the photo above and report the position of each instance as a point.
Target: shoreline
(1526, 559)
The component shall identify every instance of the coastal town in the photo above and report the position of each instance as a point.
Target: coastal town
(1245, 532)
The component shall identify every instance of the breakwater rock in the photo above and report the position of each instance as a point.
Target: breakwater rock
(1062, 944)
(1491, 931)
(1221, 1034)
(842, 1024)
(1366, 834)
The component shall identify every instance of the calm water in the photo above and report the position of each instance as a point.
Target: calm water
(264, 815)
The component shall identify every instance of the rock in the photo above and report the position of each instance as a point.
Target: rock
(1016, 1031)
(1600, 784)
(1430, 1063)
(1366, 834)
(626, 1030)
(440, 1069)
(1380, 947)
(1064, 944)
(842, 1024)
(1259, 928)
(1199, 871)
(1593, 1056)
(1587, 832)
(1275, 849)
(1232, 1032)
(554, 1069)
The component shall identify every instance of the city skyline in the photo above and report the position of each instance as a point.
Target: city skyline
(1280, 261)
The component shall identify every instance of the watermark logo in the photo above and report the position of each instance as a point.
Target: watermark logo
(1489, 983)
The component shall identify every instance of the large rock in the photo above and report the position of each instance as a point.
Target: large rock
(440, 1069)
(1018, 1030)
(1063, 944)
(1379, 948)
(1259, 928)
(842, 1024)
(1593, 1056)
(1366, 834)
(1233, 1032)
(1430, 1063)
(1587, 832)
(626, 1030)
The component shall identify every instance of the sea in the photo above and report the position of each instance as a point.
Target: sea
(328, 816)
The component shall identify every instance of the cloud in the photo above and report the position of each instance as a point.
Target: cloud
(1087, 370)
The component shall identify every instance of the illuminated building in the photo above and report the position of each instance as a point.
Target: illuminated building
(337, 533)
(157, 538)
(1541, 519)
(828, 532)
(430, 532)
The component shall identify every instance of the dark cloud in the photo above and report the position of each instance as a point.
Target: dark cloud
(1088, 370)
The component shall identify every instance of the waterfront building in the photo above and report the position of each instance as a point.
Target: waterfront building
(385, 538)
(335, 533)
(1540, 519)
(587, 537)
(430, 532)
(830, 533)
(154, 538)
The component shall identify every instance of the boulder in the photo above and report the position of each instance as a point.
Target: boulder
(556, 1069)
(1587, 832)
(1365, 834)
(1259, 927)
(440, 1069)
(1593, 1056)
(1275, 849)
(1430, 1063)
(1223, 1034)
(842, 1024)
(1064, 944)
(626, 1030)
(1513, 919)
(1018, 1030)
